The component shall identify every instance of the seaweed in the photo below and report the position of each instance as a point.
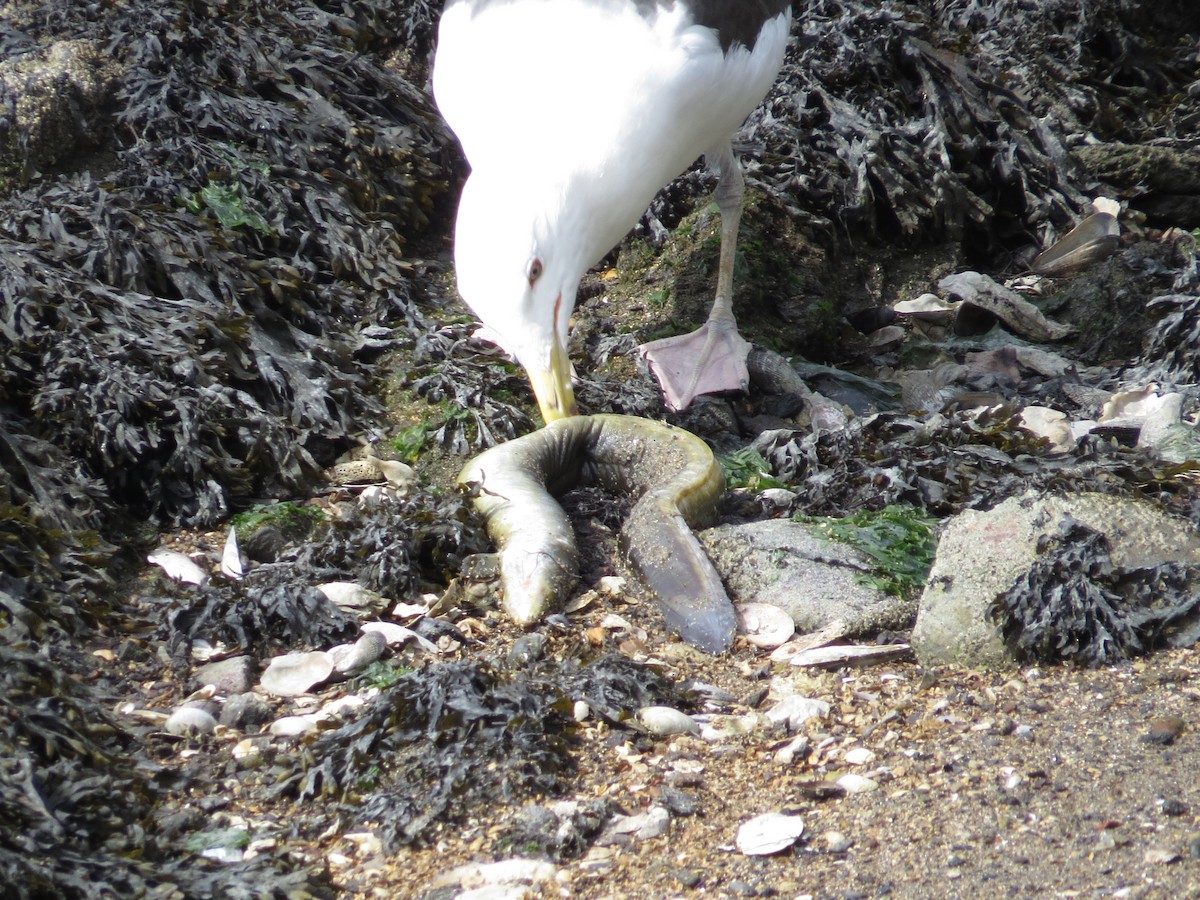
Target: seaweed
(1075, 604)
(452, 736)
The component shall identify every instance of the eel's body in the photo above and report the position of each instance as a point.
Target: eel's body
(676, 481)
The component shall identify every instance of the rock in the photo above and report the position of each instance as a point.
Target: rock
(297, 673)
(981, 554)
(234, 675)
(788, 565)
(246, 711)
(835, 842)
(768, 833)
(189, 721)
(982, 297)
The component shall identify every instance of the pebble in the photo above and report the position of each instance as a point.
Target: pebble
(190, 720)
(234, 675)
(581, 710)
(245, 711)
(768, 833)
(854, 783)
(1163, 730)
(836, 842)
(662, 721)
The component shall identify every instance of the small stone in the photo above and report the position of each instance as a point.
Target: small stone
(1163, 730)
(835, 842)
(527, 649)
(581, 710)
(854, 783)
(769, 833)
(188, 721)
(245, 711)
(1160, 856)
(858, 756)
(234, 675)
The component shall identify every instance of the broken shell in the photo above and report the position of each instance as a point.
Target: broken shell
(927, 306)
(190, 720)
(795, 710)
(1050, 424)
(982, 294)
(764, 625)
(296, 673)
(768, 833)
(353, 597)
(666, 720)
(1093, 239)
(231, 556)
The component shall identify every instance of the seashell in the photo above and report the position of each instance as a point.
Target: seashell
(178, 566)
(397, 634)
(231, 557)
(296, 673)
(768, 833)
(718, 728)
(764, 625)
(666, 720)
(351, 658)
(835, 657)
(190, 720)
(1050, 424)
(293, 726)
(353, 597)
(927, 306)
(984, 299)
(853, 783)
(794, 711)
(1093, 239)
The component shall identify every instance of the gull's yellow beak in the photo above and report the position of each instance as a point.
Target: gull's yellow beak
(552, 386)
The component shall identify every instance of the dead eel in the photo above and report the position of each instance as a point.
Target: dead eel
(677, 485)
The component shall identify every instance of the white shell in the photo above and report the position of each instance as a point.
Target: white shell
(296, 673)
(764, 625)
(178, 566)
(666, 720)
(293, 726)
(794, 711)
(189, 720)
(853, 783)
(231, 556)
(768, 833)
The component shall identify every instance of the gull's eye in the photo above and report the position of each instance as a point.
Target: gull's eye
(534, 270)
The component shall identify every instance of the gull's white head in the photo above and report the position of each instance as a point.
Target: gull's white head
(520, 277)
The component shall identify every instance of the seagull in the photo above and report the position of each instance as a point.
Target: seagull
(573, 114)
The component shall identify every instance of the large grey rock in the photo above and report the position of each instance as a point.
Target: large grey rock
(790, 565)
(981, 554)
